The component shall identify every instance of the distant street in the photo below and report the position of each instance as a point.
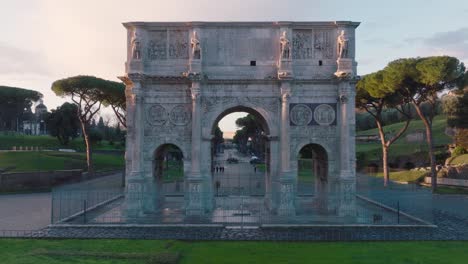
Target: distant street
(238, 178)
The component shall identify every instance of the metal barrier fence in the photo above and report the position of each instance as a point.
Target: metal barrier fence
(68, 204)
(21, 233)
(112, 207)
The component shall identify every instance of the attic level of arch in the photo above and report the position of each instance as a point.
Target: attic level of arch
(248, 50)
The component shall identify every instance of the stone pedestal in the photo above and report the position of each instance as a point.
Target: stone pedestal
(195, 67)
(134, 200)
(195, 197)
(285, 69)
(345, 68)
(286, 197)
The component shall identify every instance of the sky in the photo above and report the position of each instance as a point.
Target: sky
(46, 40)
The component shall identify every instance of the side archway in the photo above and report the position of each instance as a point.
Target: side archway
(312, 169)
(168, 173)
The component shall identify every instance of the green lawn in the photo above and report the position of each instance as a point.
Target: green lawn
(9, 141)
(462, 159)
(373, 150)
(403, 176)
(141, 251)
(173, 172)
(439, 124)
(451, 190)
(54, 160)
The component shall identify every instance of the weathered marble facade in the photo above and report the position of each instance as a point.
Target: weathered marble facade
(298, 77)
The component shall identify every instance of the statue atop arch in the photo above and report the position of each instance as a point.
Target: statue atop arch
(343, 45)
(285, 47)
(195, 44)
(136, 46)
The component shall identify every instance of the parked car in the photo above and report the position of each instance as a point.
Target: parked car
(255, 160)
(232, 160)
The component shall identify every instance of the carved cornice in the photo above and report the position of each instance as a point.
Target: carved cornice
(203, 24)
(131, 78)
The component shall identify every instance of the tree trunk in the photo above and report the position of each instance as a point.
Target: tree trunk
(430, 143)
(384, 153)
(89, 159)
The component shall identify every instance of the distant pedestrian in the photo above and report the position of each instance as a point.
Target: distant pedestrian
(218, 184)
(216, 169)
(255, 169)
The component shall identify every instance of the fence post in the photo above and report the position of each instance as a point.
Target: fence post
(84, 211)
(398, 211)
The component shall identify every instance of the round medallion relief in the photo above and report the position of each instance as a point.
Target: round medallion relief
(180, 115)
(156, 115)
(324, 114)
(301, 115)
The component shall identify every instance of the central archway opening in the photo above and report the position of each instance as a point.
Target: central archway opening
(240, 162)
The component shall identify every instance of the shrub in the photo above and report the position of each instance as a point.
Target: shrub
(459, 150)
(442, 173)
(409, 165)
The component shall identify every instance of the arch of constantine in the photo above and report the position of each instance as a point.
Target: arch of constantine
(296, 78)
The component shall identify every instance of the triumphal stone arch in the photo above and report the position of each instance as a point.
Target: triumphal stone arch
(297, 77)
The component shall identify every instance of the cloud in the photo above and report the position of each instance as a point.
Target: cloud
(452, 43)
(17, 61)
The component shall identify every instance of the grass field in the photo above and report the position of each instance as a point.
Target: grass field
(54, 160)
(14, 251)
(403, 176)
(401, 147)
(7, 142)
(462, 159)
(439, 124)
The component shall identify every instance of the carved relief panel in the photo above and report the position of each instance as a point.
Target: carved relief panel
(164, 120)
(310, 44)
(157, 45)
(302, 44)
(312, 114)
(178, 44)
(323, 44)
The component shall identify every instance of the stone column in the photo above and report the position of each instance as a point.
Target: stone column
(286, 182)
(195, 180)
(347, 173)
(135, 184)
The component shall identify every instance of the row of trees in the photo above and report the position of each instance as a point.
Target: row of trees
(456, 109)
(365, 121)
(89, 94)
(406, 83)
(63, 123)
(250, 129)
(14, 104)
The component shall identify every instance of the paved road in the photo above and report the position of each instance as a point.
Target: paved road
(238, 178)
(24, 211)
